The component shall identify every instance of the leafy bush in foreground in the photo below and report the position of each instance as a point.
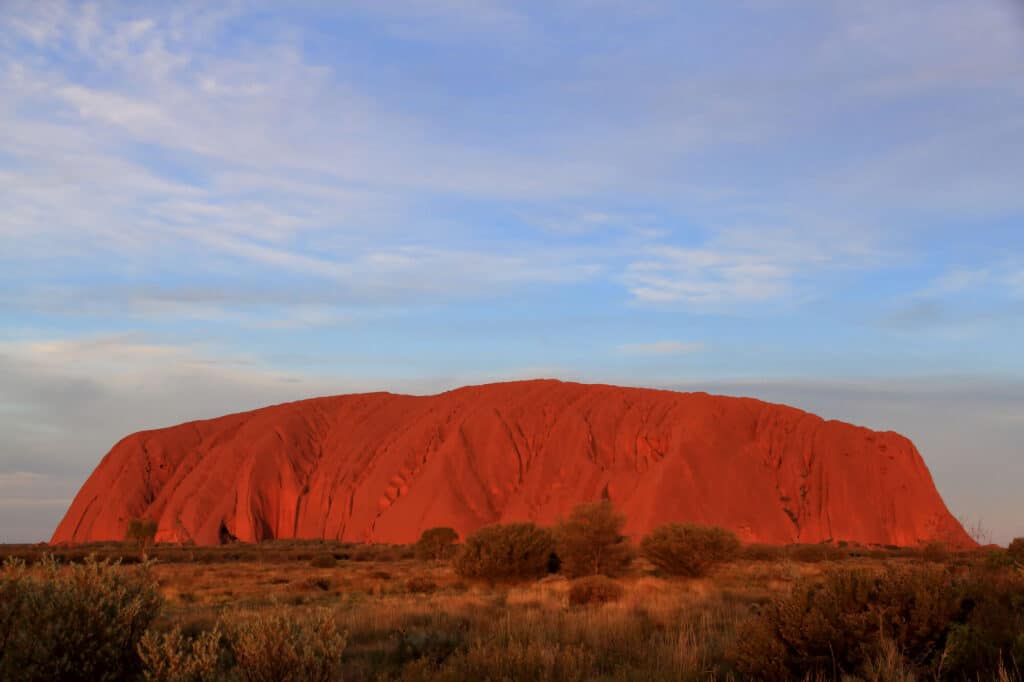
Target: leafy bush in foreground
(689, 550)
(590, 541)
(80, 622)
(513, 551)
(172, 657)
(280, 648)
(940, 622)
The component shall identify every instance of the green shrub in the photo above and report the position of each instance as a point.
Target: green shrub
(80, 622)
(594, 589)
(513, 551)
(142, 531)
(436, 544)
(590, 541)
(935, 552)
(282, 648)
(173, 657)
(1016, 550)
(763, 552)
(942, 623)
(991, 630)
(995, 558)
(814, 553)
(689, 550)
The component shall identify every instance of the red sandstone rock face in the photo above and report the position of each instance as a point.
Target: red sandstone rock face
(381, 467)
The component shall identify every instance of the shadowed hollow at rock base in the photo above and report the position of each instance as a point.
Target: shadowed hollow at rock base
(380, 467)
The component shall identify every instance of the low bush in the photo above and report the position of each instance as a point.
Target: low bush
(1016, 551)
(324, 561)
(943, 624)
(994, 558)
(436, 544)
(762, 552)
(506, 552)
(814, 553)
(590, 541)
(594, 589)
(283, 648)
(142, 531)
(420, 585)
(174, 657)
(689, 550)
(80, 622)
(935, 552)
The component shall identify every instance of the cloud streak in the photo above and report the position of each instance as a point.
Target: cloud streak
(661, 348)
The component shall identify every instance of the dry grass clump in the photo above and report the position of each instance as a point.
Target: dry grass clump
(278, 647)
(594, 589)
(420, 585)
(175, 657)
(323, 561)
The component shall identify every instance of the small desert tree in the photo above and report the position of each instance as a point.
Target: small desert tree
(142, 531)
(590, 541)
(437, 543)
(505, 552)
(690, 550)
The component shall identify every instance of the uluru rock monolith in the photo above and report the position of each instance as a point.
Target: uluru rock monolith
(380, 467)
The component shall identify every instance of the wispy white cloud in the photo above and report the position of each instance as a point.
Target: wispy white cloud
(997, 278)
(661, 348)
(705, 276)
(18, 480)
(742, 266)
(111, 107)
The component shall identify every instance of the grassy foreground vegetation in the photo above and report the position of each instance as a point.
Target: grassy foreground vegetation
(282, 611)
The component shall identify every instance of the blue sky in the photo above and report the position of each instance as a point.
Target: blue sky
(212, 206)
